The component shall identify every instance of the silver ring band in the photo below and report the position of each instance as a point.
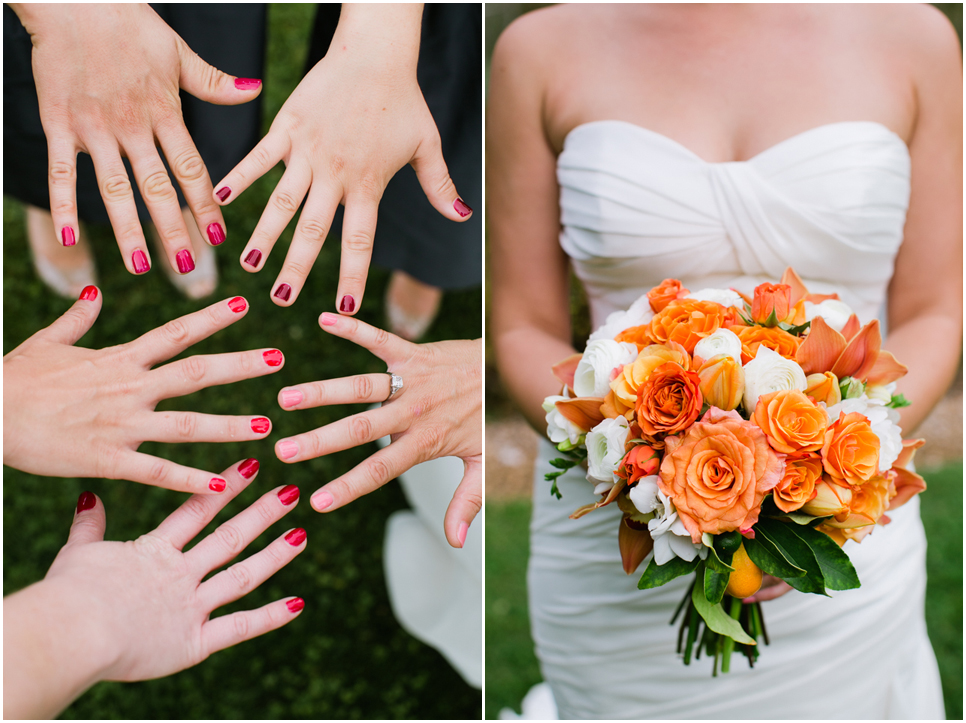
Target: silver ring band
(395, 384)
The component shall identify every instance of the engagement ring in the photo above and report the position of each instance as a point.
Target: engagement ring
(395, 384)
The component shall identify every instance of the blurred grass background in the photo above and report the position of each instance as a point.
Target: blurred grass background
(345, 656)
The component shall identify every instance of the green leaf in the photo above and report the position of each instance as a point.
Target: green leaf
(770, 559)
(796, 330)
(562, 463)
(798, 518)
(554, 491)
(795, 551)
(715, 584)
(836, 566)
(656, 575)
(898, 401)
(720, 563)
(717, 619)
(772, 320)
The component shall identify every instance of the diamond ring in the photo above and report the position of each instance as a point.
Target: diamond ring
(395, 384)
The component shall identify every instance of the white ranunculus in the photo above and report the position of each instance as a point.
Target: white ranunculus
(725, 297)
(723, 341)
(884, 422)
(671, 537)
(596, 367)
(768, 372)
(835, 313)
(605, 450)
(640, 312)
(559, 428)
(644, 494)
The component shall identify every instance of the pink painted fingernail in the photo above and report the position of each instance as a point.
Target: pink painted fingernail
(88, 294)
(217, 484)
(185, 262)
(248, 468)
(238, 304)
(288, 494)
(247, 83)
(260, 425)
(328, 319)
(348, 304)
(140, 261)
(272, 357)
(67, 235)
(461, 533)
(295, 604)
(287, 449)
(322, 500)
(223, 193)
(85, 501)
(283, 292)
(216, 234)
(295, 537)
(461, 208)
(291, 397)
(254, 256)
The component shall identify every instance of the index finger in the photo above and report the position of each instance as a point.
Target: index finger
(388, 347)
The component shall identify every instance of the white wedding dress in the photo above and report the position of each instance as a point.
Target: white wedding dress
(637, 208)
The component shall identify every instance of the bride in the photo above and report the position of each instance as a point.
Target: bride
(718, 144)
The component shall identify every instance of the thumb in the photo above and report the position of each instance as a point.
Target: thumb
(207, 83)
(89, 521)
(466, 502)
(434, 178)
(76, 321)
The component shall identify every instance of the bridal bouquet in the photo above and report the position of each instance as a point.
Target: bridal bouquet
(738, 436)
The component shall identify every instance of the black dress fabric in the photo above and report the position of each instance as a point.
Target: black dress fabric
(229, 36)
(410, 234)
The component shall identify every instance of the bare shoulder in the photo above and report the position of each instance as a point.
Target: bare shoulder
(920, 32)
(539, 36)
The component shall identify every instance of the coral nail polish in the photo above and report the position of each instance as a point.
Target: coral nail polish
(185, 262)
(461, 533)
(238, 304)
(217, 484)
(216, 234)
(287, 449)
(254, 256)
(291, 397)
(67, 236)
(140, 261)
(295, 604)
(223, 193)
(88, 294)
(348, 304)
(328, 319)
(288, 494)
(260, 425)
(247, 83)
(248, 468)
(272, 357)
(295, 537)
(283, 292)
(322, 501)
(461, 208)
(85, 501)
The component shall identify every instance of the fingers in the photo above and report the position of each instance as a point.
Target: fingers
(180, 427)
(259, 161)
(184, 524)
(157, 472)
(358, 232)
(118, 199)
(385, 465)
(349, 432)
(200, 372)
(384, 345)
(76, 321)
(228, 630)
(192, 177)
(90, 521)
(769, 593)
(435, 181)
(466, 503)
(62, 181)
(361, 389)
(207, 83)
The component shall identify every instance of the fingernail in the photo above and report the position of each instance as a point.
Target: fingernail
(295, 604)
(185, 262)
(287, 495)
(238, 304)
(223, 193)
(67, 235)
(348, 304)
(140, 261)
(247, 83)
(295, 537)
(88, 294)
(461, 208)
(260, 425)
(283, 292)
(216, 234)
(328, 319)
(217, 484)
(85, 501)
(291, 397)
(248, 468)
(287, 449)
(254, 256)
(272, 357)
(322, 500)
(461, 533)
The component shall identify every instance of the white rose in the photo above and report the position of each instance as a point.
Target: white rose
(725, 297)
(596, 366)
(768, 372)
(640, 312)
(884, 422)
(835, 313)
(559, 428)
(723, 341)
(671, 537)
(605, 450)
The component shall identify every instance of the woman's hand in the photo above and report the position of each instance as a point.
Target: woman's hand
(771, 587)
(354, 120)
(437, 413)
(139, 610)
(108, 78)
(75, 412)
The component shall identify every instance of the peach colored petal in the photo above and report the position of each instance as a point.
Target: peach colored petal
(565, 370)
(908, 484)
(584, 411)
(851, 327)
(611, 496)
(909, 447)
(859, 355)
(821, 348)
(886, 369)
(797, 285)
(635, 545)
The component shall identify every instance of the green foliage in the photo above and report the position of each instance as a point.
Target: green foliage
(717, 619)
(656, 575)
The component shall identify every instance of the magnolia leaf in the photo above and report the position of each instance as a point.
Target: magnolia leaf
(770, 559)
(656, 575)
(836, 566)
(718, 620)
(795, 551)
(715, 584)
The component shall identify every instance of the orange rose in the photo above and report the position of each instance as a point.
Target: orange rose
(868, 505)
(851, 449)
(774, 338)
(771, 304)
(640, 461)
(823, 387)
(668, 402)
(640, 335)
(791, 421)
(718, 473)
(667, 291)
(687, 321)
(626, 385)
(722, 382)
(797, 485)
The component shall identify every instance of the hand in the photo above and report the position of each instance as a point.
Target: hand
(138, 610)
(75, 412)
(771, 588)
(107, 79)
(437, 413)
(354, 120)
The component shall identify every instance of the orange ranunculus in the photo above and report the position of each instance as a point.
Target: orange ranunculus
(626, 385)
(831, 498)
(851, 449)
(688, 321)
(718, 473)
(797, 485)
(668, 402)
(640, 461)
(868, 505)
(664, 293)
(823, 387)
(772, 303)
(722, 382)
(774, 338)
(640, 335)
(791, 421)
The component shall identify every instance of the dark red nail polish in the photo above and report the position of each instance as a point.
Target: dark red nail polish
(461, 208)
(254, 256)
(248, 468)
(67, 235)
(86, 501)
(295, 604)
(247, 83)
(260, 425)
(140, 261)
(295, 537)
(272, 357)
(88, 294)
(216, 234)
(185, 262)
(287, 495)
(238, 304)
(348, 304)
(223, 193)
(283, 292)
(217, 484)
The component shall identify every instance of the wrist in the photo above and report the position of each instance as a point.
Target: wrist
(380, 32)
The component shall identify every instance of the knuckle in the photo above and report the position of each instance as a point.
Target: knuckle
(157, 187)
(247, 364)
(62, 172)
(274, 556)
(314, 231)
(357, 241)
(379, 471)
(116, 187)
(194, 369)
(363, 387)
(297, 268)
(261, 158)
(160, 473)
(265, 512)
(176, 332)
(189, 167)
(242, 625)
(369, 187)
(195, 510)
(360, 429)
(230, 538)
(381, 338)
(186, 425)
(431, 442)
(241, 577)
(337, 165)
(285, 202)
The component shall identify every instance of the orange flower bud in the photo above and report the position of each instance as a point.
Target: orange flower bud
(772, 303)
(830, 499)
(666, 292)
(823, 387)
(722, 382)
(640, 461)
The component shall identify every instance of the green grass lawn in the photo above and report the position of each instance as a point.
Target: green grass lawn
(511, 667)
(345, 656)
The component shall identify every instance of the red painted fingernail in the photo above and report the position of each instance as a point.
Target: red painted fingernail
(260, 425)
(238, 304)
(348, 304)
(295, 537)
(185, 262)
(291, 397)
(247, 83)
(67, 235)
(288, 494)
(288, 449)
(295, 604)
(461, 533)
(272, 357)
(140, 261)
(461, 208)
(254, 256)
(85, 501)
(322, 501)
(223, 193)
(283, 292)
(328, 319)
(216, 234)
(217, 484)
(248, 468)
(88, 294)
